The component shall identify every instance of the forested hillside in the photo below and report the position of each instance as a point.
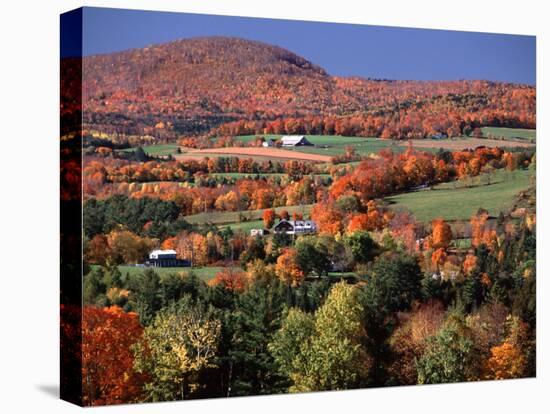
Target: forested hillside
(191, 86)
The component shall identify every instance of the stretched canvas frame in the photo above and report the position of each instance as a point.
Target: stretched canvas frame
(350, 270)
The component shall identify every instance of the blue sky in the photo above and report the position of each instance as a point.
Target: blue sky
(341, 49)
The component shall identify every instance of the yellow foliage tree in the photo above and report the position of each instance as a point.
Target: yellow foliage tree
(227, 202)
(193, 247)
(506, 361)
(180, 343)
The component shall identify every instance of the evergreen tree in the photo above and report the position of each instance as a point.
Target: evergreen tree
(146, 299)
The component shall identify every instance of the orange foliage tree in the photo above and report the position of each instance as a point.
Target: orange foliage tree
(230, 279)
(374, 219)
(169, 244)
(438, 258)
(268, 217)
(506, 361)
(481, 232)
(469, 264)
(509, 359)
(107, 359)
(328, 218)
(441, 234)
(287, 268)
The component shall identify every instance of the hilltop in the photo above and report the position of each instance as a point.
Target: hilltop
(193, 85)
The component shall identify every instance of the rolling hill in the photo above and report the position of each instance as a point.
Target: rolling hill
(190, 86)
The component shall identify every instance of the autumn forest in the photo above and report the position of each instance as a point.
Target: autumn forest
(253, 225)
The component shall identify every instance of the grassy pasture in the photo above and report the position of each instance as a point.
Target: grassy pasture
(459, 201)
(335, 144)
(245, 226)
(331, 145)
(232, 217)
(461, 143)
(204, 273)
(158, 149)
(314, 139)
(250, 138)
(199, 156)
(364, 145)
(516, 133)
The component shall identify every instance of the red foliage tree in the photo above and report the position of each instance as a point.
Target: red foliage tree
(107, 360)
(268, 217)
(230, 279)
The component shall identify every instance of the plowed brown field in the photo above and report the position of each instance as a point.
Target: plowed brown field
(268, 153)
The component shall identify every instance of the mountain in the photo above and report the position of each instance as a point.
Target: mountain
(192, 85)
(205, 76)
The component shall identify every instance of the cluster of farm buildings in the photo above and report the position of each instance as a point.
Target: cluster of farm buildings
(291, 227)
(168, 258)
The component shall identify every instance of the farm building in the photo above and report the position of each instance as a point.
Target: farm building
(295, 141)
(295, 227)
(166, 258)
(259, 232)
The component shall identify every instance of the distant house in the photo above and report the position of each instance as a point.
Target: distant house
(295, 227)
(295, 141)
(166, 258)
(269, 143)
(420, 187)
(259, 232)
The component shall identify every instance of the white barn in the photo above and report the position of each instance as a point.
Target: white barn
(162, 254)
(166, 258)
(295, 141)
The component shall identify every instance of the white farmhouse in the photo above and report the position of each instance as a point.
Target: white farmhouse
(295, 227)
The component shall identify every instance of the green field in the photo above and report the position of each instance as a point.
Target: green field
(332, 145)
(507, 133)
(158, 149)
(204, 273)
(458, 201)
(253, 217)
(335, 144)
(245, 226)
